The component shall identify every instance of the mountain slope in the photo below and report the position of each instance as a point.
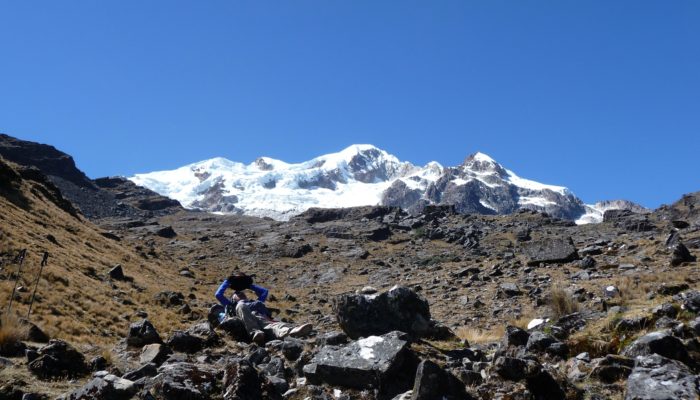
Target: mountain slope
(356, 176)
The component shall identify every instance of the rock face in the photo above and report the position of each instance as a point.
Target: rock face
(550, 251)
(58, 359)
(399, 309)
(365, 363)
(658, 378)
(107, 197)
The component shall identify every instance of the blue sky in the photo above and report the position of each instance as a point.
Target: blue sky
(599, 96)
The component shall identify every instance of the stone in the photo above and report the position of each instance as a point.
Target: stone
(510, 289)
(515, 336)
(542, 342)
(661, 343)
(117, 273)
(147, 370)
(333, 338)
(155, 353)
(655, 377)
(170, 299)
(434, 383)
(365, 363)
(550, 251)
(166, 232)
(58, 359)
(680, 254)
(612, 368)
(241, 382)
(183, 380)
(665, 310)
(107, 387)
(398, 309)
(514, 369)
(142, 333)
(292, 349)
(235, 329)
(691, 301)
(185, 342)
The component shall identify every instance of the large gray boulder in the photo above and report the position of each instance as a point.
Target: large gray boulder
(659, 378)
(105, 387)
(58, 359)
(365, 363)
(182, 380)
(550, 251)
(661, 343)
(399, 309)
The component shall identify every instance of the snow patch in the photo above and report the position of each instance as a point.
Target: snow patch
(367, 346)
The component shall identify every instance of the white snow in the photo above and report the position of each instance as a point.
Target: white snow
(268, 187)
(367, 346)
(487, 205)
(535, 201)
(536, 322)
(532, 185)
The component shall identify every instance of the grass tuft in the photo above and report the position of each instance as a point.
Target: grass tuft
(562, 302)
(12, 331)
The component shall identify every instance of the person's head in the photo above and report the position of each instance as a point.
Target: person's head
(239, 281)
(238, 296)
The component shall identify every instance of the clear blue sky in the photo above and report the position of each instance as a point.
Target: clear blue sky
(600, 96)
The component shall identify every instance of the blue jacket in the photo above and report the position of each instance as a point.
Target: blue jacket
(255, 305)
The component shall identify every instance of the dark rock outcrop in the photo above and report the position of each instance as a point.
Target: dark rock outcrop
(550, 251)
(398, 309)
(658, 378)
(58, 359)
(142, 333)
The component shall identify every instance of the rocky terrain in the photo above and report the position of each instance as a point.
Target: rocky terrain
(431, 304)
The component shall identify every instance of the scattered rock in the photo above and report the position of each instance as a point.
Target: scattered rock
(434, 383)
(680, 254)
(117, 273)
(155, 353)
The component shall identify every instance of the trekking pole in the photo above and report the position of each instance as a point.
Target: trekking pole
(20, 260)
(44, 261)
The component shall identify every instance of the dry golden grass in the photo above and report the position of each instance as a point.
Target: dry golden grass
(562, 302)
(12, 330)
(74, 300)
(480, 336)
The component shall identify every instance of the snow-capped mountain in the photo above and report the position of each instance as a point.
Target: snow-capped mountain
(359, 175)
(594, 212)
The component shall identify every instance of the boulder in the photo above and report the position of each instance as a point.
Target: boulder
(399, 309)
(611, 368)
(235, 329)
(542, 342)
(434, 383)
(680, 254)
(58, 359)
(117, 273)
(105, 387)
(509, 290)
(550, 251)
(655, 377)
(142, 333)
(365, 363)
(166, 232)
(691, 301)
(515, 336)
(242, 382)
(185, 342)
(182, 380)
(170, 299)
(661, 343)
(155, 353)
